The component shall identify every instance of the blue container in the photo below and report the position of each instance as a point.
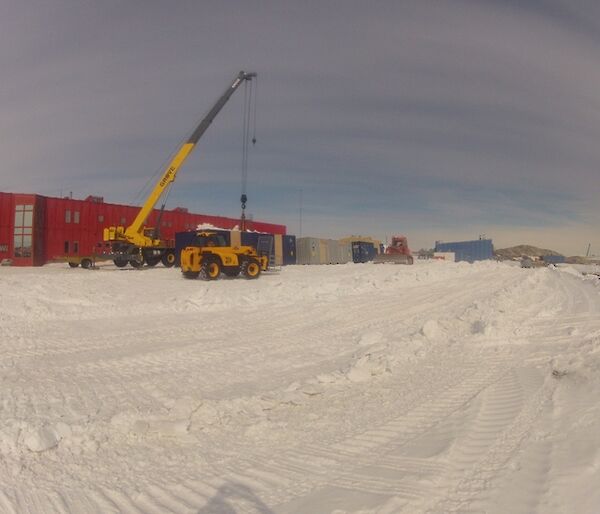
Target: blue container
(363, 251)
(260, 242)
(188, 238)
(289, 249)
(553, 259)
(470, 251)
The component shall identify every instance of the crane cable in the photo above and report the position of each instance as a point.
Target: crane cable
(249, 116)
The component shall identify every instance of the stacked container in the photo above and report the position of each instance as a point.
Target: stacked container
(312, 250)
(470, 251)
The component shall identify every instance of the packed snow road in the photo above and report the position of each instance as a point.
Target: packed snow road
(328, 389)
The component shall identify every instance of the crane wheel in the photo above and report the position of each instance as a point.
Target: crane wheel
(210, 269)
(251, 269)
(152, 261)
(73, 264)
(168, 259)
(136, 264)
(191, 274)
(120, 263)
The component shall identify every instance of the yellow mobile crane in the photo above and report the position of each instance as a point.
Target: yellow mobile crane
(138, 244)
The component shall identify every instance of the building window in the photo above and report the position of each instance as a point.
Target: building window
(67, 216)
(76, 217)
(66, 246)
(75, 247)
(23, 230)
(100, 218)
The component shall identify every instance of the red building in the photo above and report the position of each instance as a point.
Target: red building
(37, 229)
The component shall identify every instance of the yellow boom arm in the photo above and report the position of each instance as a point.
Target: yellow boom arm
(134, 233)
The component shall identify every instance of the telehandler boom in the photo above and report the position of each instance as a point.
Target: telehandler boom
(138, 244)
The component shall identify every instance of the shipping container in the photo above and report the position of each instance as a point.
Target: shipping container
(345, 253)
(289, 250)
(332, 251)
(263, 243)
(308, 250)
(363, 251)
(278, 242)
(338, 252)
(312, 250)
(469, 251)
(236, 238)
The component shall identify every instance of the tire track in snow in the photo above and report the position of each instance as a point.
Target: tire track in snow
(347, 458)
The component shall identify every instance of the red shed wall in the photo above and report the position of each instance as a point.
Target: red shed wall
(6, 224)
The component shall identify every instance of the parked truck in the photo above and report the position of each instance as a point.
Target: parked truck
(397, 252)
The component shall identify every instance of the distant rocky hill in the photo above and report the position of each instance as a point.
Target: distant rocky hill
(533, 251)
(521, 250)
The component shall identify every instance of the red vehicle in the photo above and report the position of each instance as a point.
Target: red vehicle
(397, 252)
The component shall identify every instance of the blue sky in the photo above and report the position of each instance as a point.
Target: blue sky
(441, 120)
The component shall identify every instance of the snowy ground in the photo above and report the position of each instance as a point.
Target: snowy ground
(433, 388)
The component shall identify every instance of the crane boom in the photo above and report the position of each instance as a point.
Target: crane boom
(134, 233)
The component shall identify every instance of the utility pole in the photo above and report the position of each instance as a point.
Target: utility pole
(587, 254)
(300, 215)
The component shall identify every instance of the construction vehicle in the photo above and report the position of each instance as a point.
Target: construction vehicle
(397, 252)
(138, 244)
(210, 255)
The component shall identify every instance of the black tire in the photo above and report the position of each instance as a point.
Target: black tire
(73, 264)
(86, 263)
(135, 263)
(120, 263)
(152, 261)
(210, 269)
(168, 259)
(251, 269)
(231, 271)
(191, 274)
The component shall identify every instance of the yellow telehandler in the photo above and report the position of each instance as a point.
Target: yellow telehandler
(210, 255)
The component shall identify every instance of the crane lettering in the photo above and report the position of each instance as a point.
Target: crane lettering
(167, 177)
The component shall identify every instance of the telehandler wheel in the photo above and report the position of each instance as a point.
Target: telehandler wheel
(210, 269)
(168, 259)
(73, 264)
(191, 274)
(250, 269)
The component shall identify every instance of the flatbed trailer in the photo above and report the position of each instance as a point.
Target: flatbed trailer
(85, 261)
